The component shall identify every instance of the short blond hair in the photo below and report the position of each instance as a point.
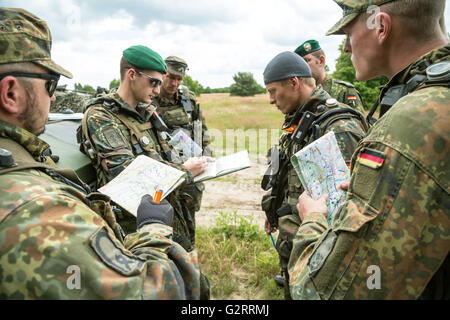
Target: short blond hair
(310, 82)
(422, 18)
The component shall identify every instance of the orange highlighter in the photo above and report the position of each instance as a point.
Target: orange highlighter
(158, 196)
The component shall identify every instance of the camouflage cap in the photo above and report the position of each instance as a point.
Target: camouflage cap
(307, 47)
(176, 65)
(352, 9)
(26, 38)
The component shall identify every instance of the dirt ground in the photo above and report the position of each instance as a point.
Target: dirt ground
(240, 192)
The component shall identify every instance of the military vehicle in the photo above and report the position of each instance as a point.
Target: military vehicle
(65, 117)
(61, 135)
(69, 101)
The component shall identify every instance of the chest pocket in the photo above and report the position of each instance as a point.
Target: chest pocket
(141, 135)
(176, 117)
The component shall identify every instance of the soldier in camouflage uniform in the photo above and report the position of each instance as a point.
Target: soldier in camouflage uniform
(342, 91)
(118, 127)
(295, 94)
(391, 237)
(56, 242)
(178, 107)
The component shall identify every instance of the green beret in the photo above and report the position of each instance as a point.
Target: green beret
(145, 58)
(307, 47)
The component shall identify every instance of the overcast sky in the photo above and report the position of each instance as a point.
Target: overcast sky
(218, 38)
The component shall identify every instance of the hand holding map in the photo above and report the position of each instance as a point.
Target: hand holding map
(322, 169)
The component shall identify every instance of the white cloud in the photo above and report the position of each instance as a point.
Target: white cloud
(217, 38)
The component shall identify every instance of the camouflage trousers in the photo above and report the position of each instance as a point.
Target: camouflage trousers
(288, 227)
(186, 202)
(191, 200)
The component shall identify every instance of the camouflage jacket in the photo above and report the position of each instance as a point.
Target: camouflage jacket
(391, 237)
(57, 243)
(281, 205)
(175, 115)
(112, 140)
(343, 92)
(349, 130)
(115, 146)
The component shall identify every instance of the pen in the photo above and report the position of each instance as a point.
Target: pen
(273, 242)
(158, 196)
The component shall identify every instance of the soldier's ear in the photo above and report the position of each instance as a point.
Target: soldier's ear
(131, 74)
(10, 89)
(322, 60)
(383, 24)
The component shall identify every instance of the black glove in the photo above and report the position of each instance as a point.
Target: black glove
(150, 212)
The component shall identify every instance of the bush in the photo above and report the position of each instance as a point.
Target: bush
(238, 259)
(193, 85)
(245, 85)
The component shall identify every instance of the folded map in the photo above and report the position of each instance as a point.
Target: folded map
(143, 176)
(322, 169)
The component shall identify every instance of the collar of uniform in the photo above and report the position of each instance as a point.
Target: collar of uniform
(126, 107)
(164, 100)
(327, 82)
(420, 65)
(318, 95)
(35, 146)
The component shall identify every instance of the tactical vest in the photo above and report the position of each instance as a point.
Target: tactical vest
(437, 75)
(140, 135)
(281, 201)
(182, 114)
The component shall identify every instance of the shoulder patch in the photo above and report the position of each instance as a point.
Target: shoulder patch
(345, 83)
(114, 257)
(113, 138)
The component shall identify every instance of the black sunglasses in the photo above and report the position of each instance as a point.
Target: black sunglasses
(50, 85)
(153, 81)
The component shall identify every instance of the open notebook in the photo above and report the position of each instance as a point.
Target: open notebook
(225, 165)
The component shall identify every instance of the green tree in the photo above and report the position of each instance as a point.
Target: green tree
(369, 90)
(245, 85)
(193, 85)
(86, 88)
(114, 84)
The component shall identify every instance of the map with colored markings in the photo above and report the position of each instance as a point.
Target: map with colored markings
(322, 169)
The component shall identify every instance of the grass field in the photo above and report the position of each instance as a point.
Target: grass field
(239, 258)
(241, 122)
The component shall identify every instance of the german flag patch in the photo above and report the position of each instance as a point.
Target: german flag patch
(351, 97)
(371, 158)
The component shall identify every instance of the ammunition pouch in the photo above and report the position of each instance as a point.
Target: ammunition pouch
(273, 179)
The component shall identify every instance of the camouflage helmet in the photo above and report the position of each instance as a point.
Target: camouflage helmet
(352, 9)
(26, 38)
(176, 65)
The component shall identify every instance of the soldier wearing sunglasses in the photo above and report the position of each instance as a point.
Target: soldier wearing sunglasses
(56, 240)
(118, 127)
